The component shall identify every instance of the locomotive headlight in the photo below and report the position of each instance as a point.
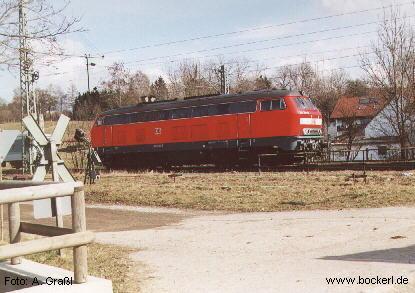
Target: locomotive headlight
(312, 131)
(311, 121)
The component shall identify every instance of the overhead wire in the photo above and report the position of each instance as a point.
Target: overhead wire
(240, 31)
(260, 27)
(255, 42)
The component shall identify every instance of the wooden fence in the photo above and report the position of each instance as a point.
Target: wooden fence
(13, 193)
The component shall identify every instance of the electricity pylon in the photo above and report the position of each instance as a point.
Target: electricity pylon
(27, 79)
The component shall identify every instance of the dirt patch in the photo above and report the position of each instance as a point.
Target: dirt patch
(102, 219)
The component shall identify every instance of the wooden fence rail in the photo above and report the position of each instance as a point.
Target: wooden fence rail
(12, 193)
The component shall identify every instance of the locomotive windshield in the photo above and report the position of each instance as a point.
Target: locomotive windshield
(304, 103)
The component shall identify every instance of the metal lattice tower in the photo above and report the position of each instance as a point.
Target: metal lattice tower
(27, 78)
(26, 70)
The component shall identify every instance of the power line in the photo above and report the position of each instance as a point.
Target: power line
(228, 46)
(313, 61)
(309, 62)
(268, 58)
(255, 49)
(261, 41)
(258, 28)
(245, 51)
(266, 48)
(233, 45)
(250, 50)
(248, 30)
(235, 61)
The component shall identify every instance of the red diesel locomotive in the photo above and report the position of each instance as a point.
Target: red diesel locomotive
(222, 129)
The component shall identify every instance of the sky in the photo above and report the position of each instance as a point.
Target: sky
(331, 34)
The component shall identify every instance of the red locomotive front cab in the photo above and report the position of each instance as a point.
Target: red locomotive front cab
(307, 123)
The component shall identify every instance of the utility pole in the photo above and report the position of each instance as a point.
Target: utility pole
(224, 89)
(222, 79)
(87, 57)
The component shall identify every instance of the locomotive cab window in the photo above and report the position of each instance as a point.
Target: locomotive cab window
(271, 105)
(304, 103)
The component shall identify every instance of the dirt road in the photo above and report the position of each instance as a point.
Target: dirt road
(185, 251)
(276, 252)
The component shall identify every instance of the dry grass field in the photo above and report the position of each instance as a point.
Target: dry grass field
(251, 192)
(104, 261)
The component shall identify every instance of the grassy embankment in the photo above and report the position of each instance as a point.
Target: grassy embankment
(252, 192)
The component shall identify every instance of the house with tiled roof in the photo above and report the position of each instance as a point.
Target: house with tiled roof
(354, 125)
(361, 109)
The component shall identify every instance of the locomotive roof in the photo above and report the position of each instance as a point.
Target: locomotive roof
(202, 100)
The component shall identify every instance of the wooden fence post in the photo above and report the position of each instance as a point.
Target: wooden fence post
(14, 227)
(79, 225)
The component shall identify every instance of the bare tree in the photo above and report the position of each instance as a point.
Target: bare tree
(47, 101)
(240, 75)
(263, 83)
(45, 23)
(357, 88)
(71, 94)
(351, 129)
(283, 77)
(391, 73)
(190, 79)
(138, 86)
(125, 88)
(118, 82)
(326, 90)
(298, 76)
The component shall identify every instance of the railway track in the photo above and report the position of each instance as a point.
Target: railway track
(315, 167)
(340, 166)
(332, 166)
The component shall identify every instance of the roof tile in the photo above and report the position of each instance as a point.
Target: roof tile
(363, 107)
